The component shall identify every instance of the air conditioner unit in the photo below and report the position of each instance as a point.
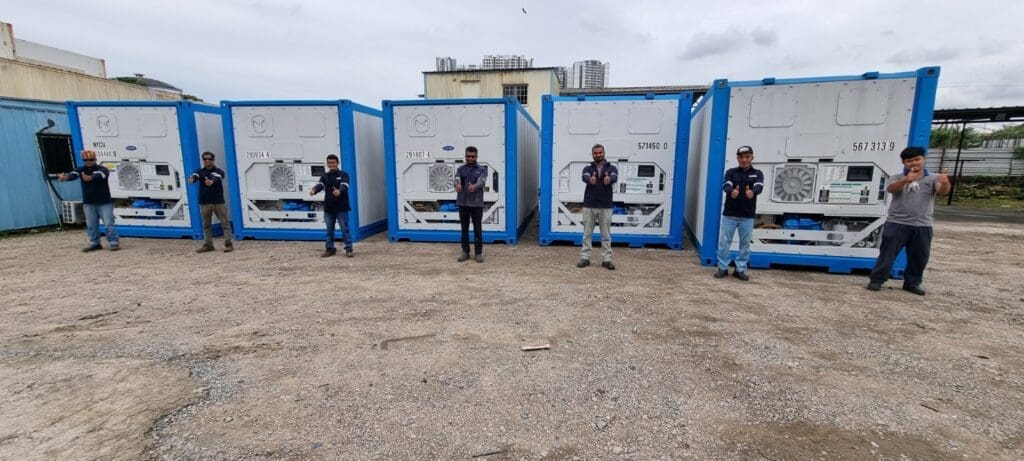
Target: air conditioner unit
(72, 212)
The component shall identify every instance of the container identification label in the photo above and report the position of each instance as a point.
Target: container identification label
(417, 154)
(258, 155)
(106, 153)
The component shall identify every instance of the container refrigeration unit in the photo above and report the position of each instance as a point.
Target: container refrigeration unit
(826, 146)
(645, 137)
(150, 148)
(278, 151)
(425, 143)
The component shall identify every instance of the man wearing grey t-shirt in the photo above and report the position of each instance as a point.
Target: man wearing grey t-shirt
(909, 224)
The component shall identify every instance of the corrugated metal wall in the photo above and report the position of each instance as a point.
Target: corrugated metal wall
(25, 198)
(978, 162)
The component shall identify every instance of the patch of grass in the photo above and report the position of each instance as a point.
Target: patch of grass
(1005, 203)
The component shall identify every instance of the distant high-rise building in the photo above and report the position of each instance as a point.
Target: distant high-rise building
(506, 62)
(562, 75)
(445, 64)
(589, 74)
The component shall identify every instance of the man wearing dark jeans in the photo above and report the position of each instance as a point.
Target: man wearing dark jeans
(469, 187)
(909, 224)
(335, 184)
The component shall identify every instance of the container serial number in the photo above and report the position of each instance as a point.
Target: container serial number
(874, 146)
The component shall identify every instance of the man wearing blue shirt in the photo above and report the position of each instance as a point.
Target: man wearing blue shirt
(211, 202)
(470, 179)
(96, 201)
(741, 186)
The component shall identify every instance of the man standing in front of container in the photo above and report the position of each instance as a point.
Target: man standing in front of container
(741, 185)
(335, 185)
(96, 201)
(599, 176)
(211, 202)
(469, 189)
(909, 223)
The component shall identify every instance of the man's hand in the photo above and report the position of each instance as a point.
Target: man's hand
(312, 191)
(337, 192)
(472, 187)
(913, 175)
(593, 180)
(86, 177)
(458, 186)
(62, 176)
(750, 192)
(735, 192)
(208, 182)
(192, 179)
(942, 177)
(607, 178)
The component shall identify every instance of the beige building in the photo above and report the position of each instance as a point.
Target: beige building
(34, 71)
(526, 85)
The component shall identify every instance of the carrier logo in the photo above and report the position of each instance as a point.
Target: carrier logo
(258, 155)
(259, 124)
(130, 148)
(448, 148)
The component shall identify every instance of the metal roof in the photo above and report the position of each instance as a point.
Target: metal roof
(981, 114)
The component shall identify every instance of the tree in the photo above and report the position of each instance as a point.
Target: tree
(1008, 132)
(948, 137)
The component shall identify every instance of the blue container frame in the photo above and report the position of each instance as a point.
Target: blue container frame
(674, 239)
(513, 228)
(186, 111)
(346, 121)
(919, 134)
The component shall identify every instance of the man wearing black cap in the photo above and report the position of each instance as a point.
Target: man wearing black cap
(741, 185)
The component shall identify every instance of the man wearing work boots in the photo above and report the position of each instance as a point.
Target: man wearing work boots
(335, 185)
(909, 223)
(741, 185)
(600, 177)
(211, 202)
(469, 189)
(96, 201)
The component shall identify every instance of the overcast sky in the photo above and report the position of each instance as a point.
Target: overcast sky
(369, 51)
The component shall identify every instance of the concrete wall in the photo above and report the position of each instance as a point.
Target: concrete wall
(31, 81)
(489, 84)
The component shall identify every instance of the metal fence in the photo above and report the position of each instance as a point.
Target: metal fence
(983, 161)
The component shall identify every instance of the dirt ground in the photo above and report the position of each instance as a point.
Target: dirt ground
(271, 352)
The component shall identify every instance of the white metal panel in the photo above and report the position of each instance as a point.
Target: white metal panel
(281, 152)
(373, 200)
(846, 138)
(527, 167)
(696, 176)
(639, 137)
(210, 138)
(142, 147)
(431, 140)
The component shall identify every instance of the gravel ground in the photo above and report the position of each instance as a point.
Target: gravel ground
(271, 352)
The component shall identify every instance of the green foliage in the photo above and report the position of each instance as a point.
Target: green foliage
(949, 137)
(188, 97)
(1018, 152)
(1008, 132)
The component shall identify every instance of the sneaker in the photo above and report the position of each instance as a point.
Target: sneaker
(463, 257)
(205, 248)
(721, 273)
(114, 247)
(228, 246)
(915, 289)
(92, 248)
(348, 253)
(583, 263)
(874, 286)
(608, 265)
(328, 253)
(742, 275)
(479, 258)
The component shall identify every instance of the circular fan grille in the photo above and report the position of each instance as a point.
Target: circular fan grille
(794, 184)
(129, 177)
(282, 178)
(442, 178)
